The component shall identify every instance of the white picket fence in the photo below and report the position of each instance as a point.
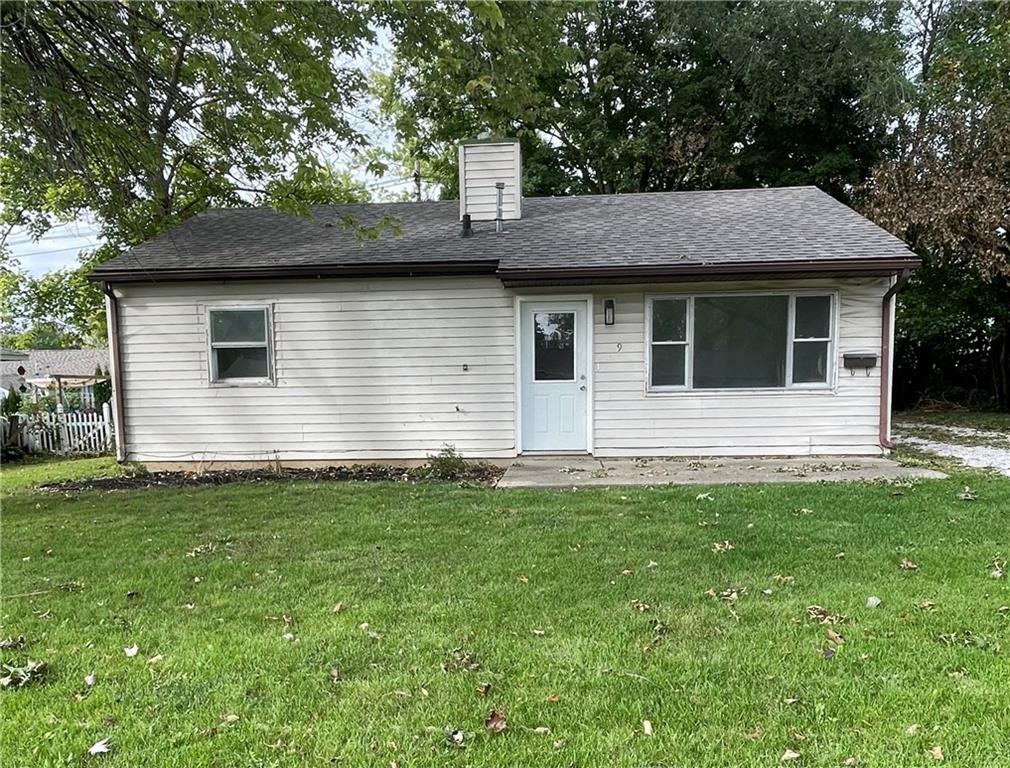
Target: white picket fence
(65, 434)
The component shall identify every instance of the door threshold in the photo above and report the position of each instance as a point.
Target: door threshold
(556, 453)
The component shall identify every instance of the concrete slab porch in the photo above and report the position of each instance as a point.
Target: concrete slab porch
(584, 471)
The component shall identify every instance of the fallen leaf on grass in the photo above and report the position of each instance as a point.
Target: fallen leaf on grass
(339, 608)
(720, 547)
(553, 698)
(935, 752)
(912, 729)
(539, 632)
(484, 689)
(100, 747)
(792, 700)
(829, 652)
(455, 737)
(495, 721)
(998, 568)
(523, 579)
(789, 755)
(822, 616)
(334, 675)
(704, 497)
(229, 719)
(647, 727)
(872, 601)
(907, 565)
(156, 659)
(131, 651)
(834, 637)
(927, 605)
(966, 495)
(90, 680)
(785, 581)
(18, 676)
(641, 606)
(849, 762)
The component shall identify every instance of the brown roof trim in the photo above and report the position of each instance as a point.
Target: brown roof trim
(282, 271)
(517, 277)
(725, 271)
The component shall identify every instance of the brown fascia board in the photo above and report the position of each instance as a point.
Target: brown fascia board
(725, 271)
(280, 271)
(519, 277)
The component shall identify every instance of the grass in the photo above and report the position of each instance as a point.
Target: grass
(958, 417)
(32, 471)
(595, 597)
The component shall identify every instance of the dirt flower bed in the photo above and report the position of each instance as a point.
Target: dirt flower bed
(479, 473)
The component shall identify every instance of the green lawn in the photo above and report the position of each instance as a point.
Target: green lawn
(33, 471)
(586, 612)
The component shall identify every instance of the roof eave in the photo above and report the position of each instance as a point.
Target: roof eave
(691, 272)
(274, 272)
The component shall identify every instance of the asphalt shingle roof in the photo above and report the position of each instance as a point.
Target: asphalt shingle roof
(660, 230)
(45, 363)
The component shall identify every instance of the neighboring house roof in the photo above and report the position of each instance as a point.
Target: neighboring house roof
(779, 230)
(12, 354)
(65, 363)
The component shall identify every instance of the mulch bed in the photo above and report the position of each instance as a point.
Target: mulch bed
(474, 472)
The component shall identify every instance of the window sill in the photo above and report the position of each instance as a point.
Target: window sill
(823, 389)
(232, 383)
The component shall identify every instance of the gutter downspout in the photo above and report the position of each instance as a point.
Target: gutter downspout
(115, 354)
(886, 333)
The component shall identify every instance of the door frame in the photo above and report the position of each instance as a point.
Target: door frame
(533, 298)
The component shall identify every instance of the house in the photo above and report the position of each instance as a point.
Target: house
(36, 372)
(737, 322)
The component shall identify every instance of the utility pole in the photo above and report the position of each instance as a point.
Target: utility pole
(417, 179)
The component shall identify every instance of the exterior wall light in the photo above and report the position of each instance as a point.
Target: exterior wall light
(609, 311)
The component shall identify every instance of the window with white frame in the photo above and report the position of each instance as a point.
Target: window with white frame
(758, 341)
(240, 345)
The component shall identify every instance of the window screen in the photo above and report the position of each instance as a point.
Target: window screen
(669, 343)
(239, 344)
(811, 339)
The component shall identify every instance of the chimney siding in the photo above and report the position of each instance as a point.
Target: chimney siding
(481, 166)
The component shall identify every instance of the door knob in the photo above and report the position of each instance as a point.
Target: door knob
(583, 387)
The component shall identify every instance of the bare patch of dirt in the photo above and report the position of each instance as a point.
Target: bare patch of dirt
(479, 473)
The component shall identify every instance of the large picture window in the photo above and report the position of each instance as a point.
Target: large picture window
(761, 341)
(240, 345)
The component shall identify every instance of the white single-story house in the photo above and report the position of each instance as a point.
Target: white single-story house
(719, 323)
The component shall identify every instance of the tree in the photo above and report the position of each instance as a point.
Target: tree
(147, 113)
(102, 388)
(946, 191)
(641, 96)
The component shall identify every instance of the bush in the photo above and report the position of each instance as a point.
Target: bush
(447, 464)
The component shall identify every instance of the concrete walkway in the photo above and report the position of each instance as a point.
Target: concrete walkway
(584, 471)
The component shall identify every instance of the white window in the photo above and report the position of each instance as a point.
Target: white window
(759, 341)
(240, 345)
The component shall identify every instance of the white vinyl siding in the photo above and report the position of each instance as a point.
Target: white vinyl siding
(364, 369)
(481, 166)
(841, 419)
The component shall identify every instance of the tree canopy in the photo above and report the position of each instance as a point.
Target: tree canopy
(147, 113)
(641, 96)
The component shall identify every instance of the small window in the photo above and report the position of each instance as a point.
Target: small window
(554, 346)
(240, 345)
(811, 339)
(669, 343)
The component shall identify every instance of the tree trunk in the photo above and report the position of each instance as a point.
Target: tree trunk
(999, 356)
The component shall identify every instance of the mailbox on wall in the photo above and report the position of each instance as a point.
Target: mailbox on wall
(864, 361)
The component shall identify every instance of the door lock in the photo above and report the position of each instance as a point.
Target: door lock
(583, 387)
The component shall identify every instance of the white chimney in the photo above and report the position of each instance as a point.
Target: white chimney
(482, 165)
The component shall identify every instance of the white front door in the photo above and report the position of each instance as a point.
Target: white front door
(554, 366)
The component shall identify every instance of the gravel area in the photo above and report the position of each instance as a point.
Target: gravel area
(978, 456)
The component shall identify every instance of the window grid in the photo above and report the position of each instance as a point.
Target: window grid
(791, 341)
